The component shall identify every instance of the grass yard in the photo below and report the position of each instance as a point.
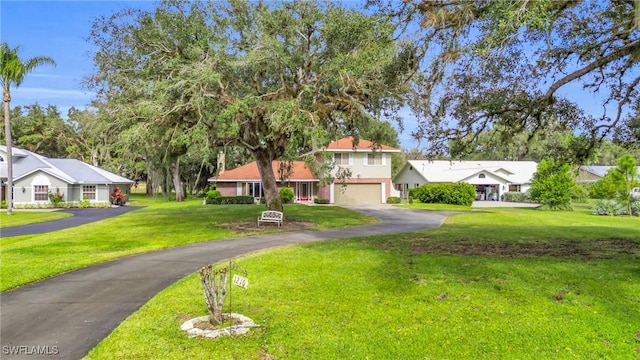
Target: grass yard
(502, 284)
(22, 217)
(29, 258)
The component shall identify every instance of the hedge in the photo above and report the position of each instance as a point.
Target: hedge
(393, 200)
(321, 201)
(515, 196)
(445, 193)
(231, 200)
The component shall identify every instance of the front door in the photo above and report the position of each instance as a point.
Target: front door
(303, 192)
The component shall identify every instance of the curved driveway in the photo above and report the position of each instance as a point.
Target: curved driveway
(67, 315)
(79, 217)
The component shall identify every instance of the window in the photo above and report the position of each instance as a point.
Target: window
(374, 159)
(89, 192)
(41, 192)
(515, 188)
(482, 176)
(254, 189)
(341, 159)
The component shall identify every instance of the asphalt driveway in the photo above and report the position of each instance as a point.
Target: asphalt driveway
(80, 217)
(69, 314)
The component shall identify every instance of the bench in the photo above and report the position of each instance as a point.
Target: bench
(271, 216)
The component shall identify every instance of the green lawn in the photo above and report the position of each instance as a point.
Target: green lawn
(21, 217)
(161, 225)
(502, 284)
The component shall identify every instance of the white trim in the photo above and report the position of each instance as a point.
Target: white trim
(331, 193)
(383, 187)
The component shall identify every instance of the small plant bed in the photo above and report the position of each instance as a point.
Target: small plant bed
(232, 324)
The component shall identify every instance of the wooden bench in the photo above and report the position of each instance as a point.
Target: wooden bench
(271, 216)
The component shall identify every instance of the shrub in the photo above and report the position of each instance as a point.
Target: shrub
(447, 193)
(118, 197)
(415, 193)
(515, 196)
(3, 204)
(552, 185)
(212, 194)
(604, 188)
(410, 199)
(580, 193)
(393, 200)
(607, 207)
(286, 194)
(83, 203)
(56, 199)
(635, 207)
(321, 201)
(231, 200)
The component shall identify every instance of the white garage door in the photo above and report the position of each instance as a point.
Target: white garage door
(357, 194)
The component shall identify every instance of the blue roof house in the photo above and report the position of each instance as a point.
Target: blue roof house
(35, 176)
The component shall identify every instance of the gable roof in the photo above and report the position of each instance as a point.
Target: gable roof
(71, 171)
(600, 170)
(249, 172)
(515, 172)
(346, 144)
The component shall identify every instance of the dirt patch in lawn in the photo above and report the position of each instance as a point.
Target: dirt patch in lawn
(598, 249)
(252, 226)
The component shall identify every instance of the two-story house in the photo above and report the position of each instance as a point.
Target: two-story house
(368, 166)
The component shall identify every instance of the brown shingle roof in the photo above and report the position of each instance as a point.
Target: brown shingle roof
(249, 172)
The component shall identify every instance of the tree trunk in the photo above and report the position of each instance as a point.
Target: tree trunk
(7, 133)
(269, 185)
(177, 184)
(214, 285)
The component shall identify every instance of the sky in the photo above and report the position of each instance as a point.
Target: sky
(59, 29)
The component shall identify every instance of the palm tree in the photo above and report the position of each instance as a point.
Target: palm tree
(13, 71)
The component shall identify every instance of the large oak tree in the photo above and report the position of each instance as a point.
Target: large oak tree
(266, 77)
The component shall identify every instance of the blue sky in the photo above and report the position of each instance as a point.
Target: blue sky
(59, 29)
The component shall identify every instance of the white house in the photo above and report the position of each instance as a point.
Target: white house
(491, 178)
(35, 176)
(369, 165)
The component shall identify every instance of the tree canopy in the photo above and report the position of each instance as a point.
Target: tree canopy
(266, 77)
(509, 66)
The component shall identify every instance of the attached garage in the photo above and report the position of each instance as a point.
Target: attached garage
(357, 194)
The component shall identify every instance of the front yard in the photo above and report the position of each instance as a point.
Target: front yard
(501, 284)
(29, 258)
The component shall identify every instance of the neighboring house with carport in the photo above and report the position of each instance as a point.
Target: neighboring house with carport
(369, 182)
(35, 176)
(491, 178)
